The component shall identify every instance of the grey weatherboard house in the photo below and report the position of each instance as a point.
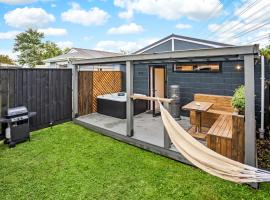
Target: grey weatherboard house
(223, 82)
(198, 66)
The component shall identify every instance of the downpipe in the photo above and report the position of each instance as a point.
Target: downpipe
(261, 129)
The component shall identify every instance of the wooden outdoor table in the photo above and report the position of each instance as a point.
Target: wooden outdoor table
(198, 107)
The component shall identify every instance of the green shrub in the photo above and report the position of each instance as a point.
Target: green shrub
(238, 100)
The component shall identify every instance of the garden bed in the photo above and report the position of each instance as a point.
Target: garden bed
(263, 149)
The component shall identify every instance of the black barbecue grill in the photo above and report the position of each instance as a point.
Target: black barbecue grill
(17, 120)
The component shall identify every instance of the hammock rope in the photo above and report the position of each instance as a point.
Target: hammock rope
(207, 159)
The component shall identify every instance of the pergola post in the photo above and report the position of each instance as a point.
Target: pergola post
(250, 123)
(74, 69)
(130, 103)
(167, 140)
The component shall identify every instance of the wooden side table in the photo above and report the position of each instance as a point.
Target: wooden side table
(198, 107)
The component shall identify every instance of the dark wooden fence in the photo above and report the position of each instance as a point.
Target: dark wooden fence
(45, 91)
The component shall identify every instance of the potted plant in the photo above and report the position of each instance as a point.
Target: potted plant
(238, 100)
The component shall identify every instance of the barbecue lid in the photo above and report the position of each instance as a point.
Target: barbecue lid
(17, 111)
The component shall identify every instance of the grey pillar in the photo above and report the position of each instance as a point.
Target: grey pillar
(167, 139)
(74, 90)
(129, 88)
(250, 129)
(250, 126)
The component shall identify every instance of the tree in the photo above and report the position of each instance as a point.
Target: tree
(50, 49)
(5, 59)
(30, 47)
(65, 50)
(266, 51)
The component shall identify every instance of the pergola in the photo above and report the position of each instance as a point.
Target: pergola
(246, 53)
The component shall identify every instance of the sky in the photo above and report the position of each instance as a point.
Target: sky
(128, 25)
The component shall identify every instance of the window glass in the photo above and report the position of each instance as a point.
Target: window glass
(197, 67)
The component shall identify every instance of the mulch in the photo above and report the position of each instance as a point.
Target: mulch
(263, 150)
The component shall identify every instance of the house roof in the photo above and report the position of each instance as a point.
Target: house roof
(79, 53)
(183, 38)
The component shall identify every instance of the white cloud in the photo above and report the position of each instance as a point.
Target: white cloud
(17, 2)
(9, 35)
(248, 24)
(9, 52)
(126, 29)
(53, 31)
(127, 46)
(65, 44)
(183, 26)
(170, 9)
(76, 14)
(87, 38)
(53, 5)
(28, 17)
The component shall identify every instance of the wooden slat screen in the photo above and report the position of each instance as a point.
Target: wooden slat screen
(94, 83)
(105, 82)
(85, 87)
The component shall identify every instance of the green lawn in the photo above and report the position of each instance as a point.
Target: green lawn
(70, 162)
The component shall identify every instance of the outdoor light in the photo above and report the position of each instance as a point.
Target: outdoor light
(238, 67)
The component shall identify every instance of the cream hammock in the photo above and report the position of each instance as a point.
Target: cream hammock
(208, 160)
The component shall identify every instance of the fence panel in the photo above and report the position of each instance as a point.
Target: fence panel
(105, 82)
(94, 83)
(45, 91)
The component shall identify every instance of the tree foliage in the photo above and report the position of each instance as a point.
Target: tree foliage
(5, 59)
(50, 49)
(29, 46)
(238, 100)
(266, 51)
(32, 50)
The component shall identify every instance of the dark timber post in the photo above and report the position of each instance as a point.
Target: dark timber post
(250, 128)
(167, 140)
(129, 88)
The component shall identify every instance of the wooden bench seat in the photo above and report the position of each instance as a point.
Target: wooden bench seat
(222, 127)
(219, 112)
(221, 106)
(226, 137)
(226, 133)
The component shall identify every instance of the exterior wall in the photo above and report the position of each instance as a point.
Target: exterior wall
(182, 45)
(141, 79)
(167, 46)
(178, 45)
(222, 83)
(123, 70)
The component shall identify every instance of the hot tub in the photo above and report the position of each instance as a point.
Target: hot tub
(115, 105)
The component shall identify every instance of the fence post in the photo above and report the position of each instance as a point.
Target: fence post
(74, 89)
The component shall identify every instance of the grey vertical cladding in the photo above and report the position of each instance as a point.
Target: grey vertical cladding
(222, 83)
(166, 46)
(123, 70)
(183, 45)
(141, 75)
